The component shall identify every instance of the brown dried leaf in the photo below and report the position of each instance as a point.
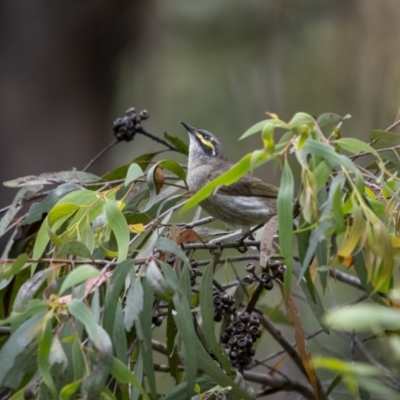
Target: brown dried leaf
(278, 365)
(301, 341)
(187, 236)
(314, 268)
(158, 179)
(267, 240)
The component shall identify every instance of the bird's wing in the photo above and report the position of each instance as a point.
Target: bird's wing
(250, 186)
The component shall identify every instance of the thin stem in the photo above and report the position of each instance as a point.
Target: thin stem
(98, 155)
(157, 139)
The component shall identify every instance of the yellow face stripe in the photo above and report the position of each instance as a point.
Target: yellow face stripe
(207, 143)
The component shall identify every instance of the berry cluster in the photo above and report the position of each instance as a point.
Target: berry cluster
(269, 273)
(194, 272)
(126, 127)
(223, 304)
(239, 337)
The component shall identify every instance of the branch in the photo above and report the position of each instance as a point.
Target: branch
(220, 246)
(98, 155)
(291, 351)
(281, 384)
(350, 280)
(157, 139)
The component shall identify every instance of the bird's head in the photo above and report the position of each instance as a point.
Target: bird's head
(203, 144)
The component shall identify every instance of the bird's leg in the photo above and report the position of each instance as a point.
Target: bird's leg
(248, 233)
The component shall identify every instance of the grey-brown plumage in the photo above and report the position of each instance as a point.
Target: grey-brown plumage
(249, 201)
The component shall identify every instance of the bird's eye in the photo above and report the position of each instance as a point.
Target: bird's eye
(206, 137)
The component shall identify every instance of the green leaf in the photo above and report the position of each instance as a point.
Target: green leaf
(60, 211)
(120, 228)
(301, 118)
(184, 322)
(354, 146)
(49, 178)
(178, 143)
(45, 341)
(28, 290)
(329, 118)
(17, 342)
(258, 127)
(285, 221)
(390, 136)
(78, 276)
(7, 271)
(119, 335)
(75, 248)
(364, 317)
(206, 363)
(38, 209)
(95, 382)
(114, 288)
(179, 392)
(15, 206)
(207, 314)
(144, 333)
(133, 173)
(134, 303)
(328, 153)
(123, 375)
(68, 390)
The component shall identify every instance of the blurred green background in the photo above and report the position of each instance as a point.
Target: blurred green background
(68, 69)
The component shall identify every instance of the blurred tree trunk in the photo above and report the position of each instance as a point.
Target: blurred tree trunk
(58, 69)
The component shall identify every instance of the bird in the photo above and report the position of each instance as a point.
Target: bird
(246, 203)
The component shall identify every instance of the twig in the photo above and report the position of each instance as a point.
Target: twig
(217, 246)
(254, 297)
(350, 280)
(280, 352)
(98, 155)
(281, 384)
(393, 382)
(291, 351)
(157, 139)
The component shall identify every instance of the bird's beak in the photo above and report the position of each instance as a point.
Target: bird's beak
(189, 128)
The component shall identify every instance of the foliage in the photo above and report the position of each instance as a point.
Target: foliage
(96, 266)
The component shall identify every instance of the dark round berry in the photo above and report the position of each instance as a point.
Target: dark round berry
(233, 355)
(268, 285)
(242, 342)
(218, 317)
(240, 327)
(255, 332)
(231, 309)
(130, 111)
(264, 277)
(242, 353)
(225, 338)
(229, 329)
(129, 124)
(251, 352)
(254, 321)
(244, 317)
(250, 267)
(138, 127)
(248, 279)
(193, 263)
(233, 340)
(217, 299)
(144, 114)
